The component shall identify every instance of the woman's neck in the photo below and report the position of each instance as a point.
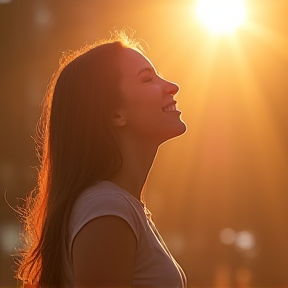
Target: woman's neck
(137, 162)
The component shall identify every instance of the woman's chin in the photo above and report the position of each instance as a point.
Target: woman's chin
(182, 129)
(176, 132)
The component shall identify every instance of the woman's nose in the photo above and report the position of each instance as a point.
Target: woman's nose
(171, 88)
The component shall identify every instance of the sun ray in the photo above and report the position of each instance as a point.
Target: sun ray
(264, 136)
(272, 38)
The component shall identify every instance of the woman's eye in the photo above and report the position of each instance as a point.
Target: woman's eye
(148, 79)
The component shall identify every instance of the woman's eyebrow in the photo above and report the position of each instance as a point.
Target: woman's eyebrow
(149, 69)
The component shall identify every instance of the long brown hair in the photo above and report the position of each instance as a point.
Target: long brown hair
(77, 147)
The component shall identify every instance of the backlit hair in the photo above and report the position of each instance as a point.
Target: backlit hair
(76, 147)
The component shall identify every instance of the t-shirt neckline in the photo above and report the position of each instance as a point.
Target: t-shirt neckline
(113, 185)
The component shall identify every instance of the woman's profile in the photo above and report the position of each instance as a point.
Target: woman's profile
(106, 113)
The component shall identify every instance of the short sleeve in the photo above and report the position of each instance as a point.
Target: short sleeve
(102, 204)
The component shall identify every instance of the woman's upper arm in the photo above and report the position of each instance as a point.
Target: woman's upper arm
(104, 253)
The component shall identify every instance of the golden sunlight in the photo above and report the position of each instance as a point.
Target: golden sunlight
(221, 16)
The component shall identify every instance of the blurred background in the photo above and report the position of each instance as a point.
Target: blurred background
(219, 193)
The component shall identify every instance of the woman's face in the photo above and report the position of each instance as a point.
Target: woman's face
(148, 105)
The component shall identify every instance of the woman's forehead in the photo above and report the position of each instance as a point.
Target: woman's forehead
(133, 61)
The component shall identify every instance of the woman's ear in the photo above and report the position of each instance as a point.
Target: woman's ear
(118, 119)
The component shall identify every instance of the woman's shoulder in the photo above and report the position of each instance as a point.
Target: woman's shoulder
(106, 194)
(106, 199)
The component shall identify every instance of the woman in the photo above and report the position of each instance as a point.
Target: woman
(107, 111)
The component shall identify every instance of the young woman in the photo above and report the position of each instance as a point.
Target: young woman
(107, 111)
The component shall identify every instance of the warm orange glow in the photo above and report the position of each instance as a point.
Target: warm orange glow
(221, 16)
(272, 38)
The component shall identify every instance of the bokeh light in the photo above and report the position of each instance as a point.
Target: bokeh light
(245, 240)
(9, 237)
(5, 1)
(227, 236)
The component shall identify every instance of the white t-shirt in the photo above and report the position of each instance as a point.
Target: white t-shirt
(154, 265)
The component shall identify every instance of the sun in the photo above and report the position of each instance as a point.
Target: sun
(221, 16)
